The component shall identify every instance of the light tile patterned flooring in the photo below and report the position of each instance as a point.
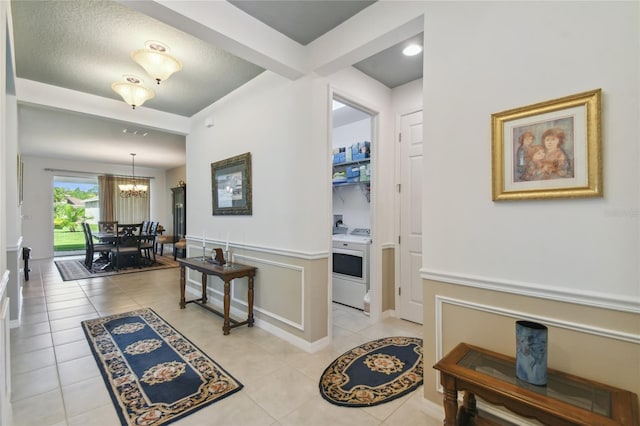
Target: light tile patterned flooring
(55, 380)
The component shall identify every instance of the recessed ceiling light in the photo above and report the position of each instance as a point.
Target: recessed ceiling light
(412, 50)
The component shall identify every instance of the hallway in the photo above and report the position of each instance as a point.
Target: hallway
(55, 380)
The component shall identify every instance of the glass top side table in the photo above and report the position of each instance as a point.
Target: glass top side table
(565, 400)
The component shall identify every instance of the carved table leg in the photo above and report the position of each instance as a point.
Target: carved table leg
(182, 284)
(469, 403)
(468, 411)
(227, 301)
(204, 288)
(450, 400)
(250, 302)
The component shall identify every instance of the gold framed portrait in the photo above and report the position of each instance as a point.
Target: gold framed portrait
(550, 149)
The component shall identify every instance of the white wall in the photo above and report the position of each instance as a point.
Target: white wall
(11, 170)
(37, 208)
(270, 118)
(345, 136)
(484, 57)
(407, 98)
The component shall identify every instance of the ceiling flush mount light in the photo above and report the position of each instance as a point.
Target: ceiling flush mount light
(156, 60)
(412, 50)
(132, 91)
(132, 189)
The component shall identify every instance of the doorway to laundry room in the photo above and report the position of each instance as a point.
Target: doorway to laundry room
(352, 154)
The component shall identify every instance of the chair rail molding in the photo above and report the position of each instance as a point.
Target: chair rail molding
(575, 296)
(264, 249)
(521, 315)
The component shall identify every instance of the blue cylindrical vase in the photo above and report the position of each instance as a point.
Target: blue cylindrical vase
(531, 352)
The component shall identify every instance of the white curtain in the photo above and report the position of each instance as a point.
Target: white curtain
(124, 210)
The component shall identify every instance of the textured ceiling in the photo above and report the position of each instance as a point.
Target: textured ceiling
(85, 46)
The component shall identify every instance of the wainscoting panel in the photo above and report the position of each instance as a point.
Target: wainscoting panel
(5, 352)
(282, 297)
(14, 285)
(291, 279)
(592, 342)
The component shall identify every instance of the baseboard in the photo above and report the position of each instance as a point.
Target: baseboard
(432, 409)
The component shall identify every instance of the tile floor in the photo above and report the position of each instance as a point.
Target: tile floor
(55, 379)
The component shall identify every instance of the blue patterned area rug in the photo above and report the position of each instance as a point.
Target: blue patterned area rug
(374, 373)
(154, 374)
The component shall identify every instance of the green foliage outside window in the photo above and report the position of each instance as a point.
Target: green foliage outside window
(68, 218)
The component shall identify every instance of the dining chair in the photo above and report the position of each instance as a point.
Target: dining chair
(127, 246)
(145, 226)
(109, 226)
(180, 246)
(87, 248)
(92, 248)
(147, 245)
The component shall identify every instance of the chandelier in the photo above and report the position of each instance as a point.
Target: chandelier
(132, 91)
(132, 189)
(156, 60)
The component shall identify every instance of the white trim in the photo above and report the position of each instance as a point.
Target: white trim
(5, 361)
(306, 346)
(390, 313)
(510, 417)
(4, 283)
(575, 296)
(17, 247)
(261, 249)
(554, 322)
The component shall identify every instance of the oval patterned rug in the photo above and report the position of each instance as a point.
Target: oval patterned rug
(374, 373)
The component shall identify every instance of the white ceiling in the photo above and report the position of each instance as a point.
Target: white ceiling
(85, 46)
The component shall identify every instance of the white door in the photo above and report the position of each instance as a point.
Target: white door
(410, 246)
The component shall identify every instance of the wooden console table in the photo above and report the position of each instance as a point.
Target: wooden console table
(566, 400)
(226, 274)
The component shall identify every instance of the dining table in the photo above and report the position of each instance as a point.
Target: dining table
(130, 232)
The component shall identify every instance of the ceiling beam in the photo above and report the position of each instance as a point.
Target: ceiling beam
(36, 93)
(231, 29)
(374, 29)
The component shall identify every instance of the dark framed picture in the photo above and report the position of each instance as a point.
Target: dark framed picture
(548, 150)
(231, 185)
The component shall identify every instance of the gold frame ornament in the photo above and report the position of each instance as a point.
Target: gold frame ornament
(548, 150)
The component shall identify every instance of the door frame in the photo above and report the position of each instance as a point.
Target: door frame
(397, 203)
(375, 258)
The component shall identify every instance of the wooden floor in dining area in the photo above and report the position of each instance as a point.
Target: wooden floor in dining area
(55, 380)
